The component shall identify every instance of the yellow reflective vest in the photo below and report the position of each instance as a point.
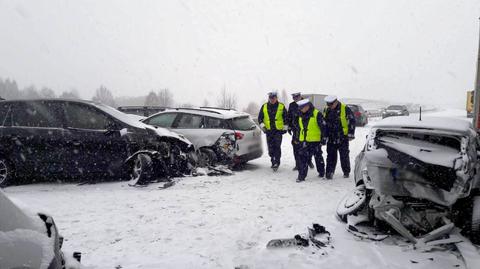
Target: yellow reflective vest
(343, 117)
(278, 117)
(313, 132)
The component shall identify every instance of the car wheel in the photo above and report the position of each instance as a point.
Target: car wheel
(6, 173)
(475, 224)
(352, 202)
(206, 157)
(139, 171)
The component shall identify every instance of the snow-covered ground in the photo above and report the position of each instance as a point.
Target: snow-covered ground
(217, 222)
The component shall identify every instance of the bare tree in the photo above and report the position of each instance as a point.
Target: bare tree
(226, 99)
(252, 108)
(47, 93)
(152, 99)
(165, 98)
(71, 94)
(30, 92)
(105, 96)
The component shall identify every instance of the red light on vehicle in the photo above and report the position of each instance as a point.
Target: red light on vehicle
(238, 135)
(358, 113)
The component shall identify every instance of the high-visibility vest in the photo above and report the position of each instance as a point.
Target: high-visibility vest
(343, 117)
(278, 117)
(314, 133)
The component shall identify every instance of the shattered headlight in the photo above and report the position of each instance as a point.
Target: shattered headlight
(226, 143)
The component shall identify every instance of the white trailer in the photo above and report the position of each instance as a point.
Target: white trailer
(317, 100)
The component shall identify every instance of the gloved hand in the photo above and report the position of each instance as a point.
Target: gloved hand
(351, 137)
(262, 126)
(304, 144)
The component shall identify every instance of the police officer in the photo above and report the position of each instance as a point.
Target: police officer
(311, 126)
(292, 119)
(340, 130)
(273, 121)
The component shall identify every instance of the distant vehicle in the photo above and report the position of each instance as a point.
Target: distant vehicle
(470, 102)
(361, 117)
(31, 240)
(317, 100)
(207, 128)
(61, 138)
(418, 176)
(395, 110)
(143, 111)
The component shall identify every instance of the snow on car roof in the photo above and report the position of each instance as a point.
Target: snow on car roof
(433, 123)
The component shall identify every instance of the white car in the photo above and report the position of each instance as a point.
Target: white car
(30, 240)
(207, 128)
(420, 177)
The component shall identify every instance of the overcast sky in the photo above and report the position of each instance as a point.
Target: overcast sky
(410, 51)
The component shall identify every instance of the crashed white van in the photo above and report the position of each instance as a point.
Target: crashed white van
(419, 177)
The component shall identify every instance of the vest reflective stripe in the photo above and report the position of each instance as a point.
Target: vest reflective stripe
(278, 117)
(314, 133)
(343, 117)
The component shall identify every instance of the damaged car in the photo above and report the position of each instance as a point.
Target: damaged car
(30, 240)
(55, 139)
(221, 136)
(419, 178)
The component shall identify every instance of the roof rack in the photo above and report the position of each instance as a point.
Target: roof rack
(220, 108)
(197, 109)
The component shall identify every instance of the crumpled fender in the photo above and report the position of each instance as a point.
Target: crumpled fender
(151, 153)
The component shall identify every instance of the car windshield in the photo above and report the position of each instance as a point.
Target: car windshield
(120, 115)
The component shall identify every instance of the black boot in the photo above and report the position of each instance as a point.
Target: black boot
(329, 176)
(346, 175)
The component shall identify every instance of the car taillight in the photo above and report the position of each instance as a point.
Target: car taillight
(358, 113)
(239, 136)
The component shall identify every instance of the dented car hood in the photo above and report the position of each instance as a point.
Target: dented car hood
(423, 169)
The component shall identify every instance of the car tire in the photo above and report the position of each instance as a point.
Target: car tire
(140, 169)
(475, 223)
(353, 202)
(206, 157)
(6, 173)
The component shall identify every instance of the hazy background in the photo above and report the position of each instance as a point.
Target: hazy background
(407, 51)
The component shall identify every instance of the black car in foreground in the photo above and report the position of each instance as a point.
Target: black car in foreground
(31, 240)
(57, 138)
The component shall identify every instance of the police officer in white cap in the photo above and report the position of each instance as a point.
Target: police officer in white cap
(273, 121)
(311, 129)
(292, 119)
(340, 130)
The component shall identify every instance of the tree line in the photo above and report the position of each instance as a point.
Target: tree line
(164, 97)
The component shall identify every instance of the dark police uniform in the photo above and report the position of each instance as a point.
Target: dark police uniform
(274, 116)
(311, 127)
(340, 129)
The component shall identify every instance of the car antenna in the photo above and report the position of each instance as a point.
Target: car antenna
(420, 116)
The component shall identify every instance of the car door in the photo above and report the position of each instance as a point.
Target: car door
(94, 148)
(192, 127)
(34, 134)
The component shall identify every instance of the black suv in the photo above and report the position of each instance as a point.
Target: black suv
(57, 138)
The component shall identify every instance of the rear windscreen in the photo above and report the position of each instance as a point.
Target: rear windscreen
(242, 124)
